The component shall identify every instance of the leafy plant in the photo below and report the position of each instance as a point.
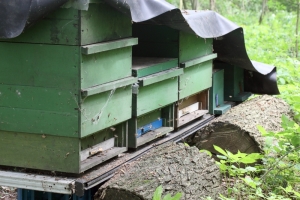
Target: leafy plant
(158, 193)
(277, 178)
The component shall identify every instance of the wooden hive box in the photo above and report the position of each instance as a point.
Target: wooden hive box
(195, 56)
(65, 90)
(152, 104)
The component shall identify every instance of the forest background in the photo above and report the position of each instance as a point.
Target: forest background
(271, 30)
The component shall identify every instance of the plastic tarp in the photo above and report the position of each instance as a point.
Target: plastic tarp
(228, 43)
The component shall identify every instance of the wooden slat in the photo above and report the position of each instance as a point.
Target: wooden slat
(148, 80)
(107, 144)
(39, 121)
(191, 46)
(190, 117)
(95, 160)
(106, 46)
(144, 66)
(108, 86)
(153, 134)
(198, 60)
(106, 109)
(104, 67)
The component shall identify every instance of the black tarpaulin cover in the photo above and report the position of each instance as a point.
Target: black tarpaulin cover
(228, 41)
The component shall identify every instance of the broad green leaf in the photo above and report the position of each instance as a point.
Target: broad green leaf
(177, 196)
(157, 193)
(220, 150)
(167, 197)
(222, 157)
(251, 169)
(262, 130)
(247, 160)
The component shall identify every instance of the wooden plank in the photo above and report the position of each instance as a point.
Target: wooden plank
(98, 148)
(153, 134)
(192, 46)
(144, 66)
(155, 78)
(35, 151)
(39, 65)
(189, 109)
(38, 98)
(102, 110)
(106, 46)
(39, 121)
(190, 117)
(155, 96)
(106, 155)
(198, 60)
(195, 79)
(108, 86)
(102, 22)
(119, 132)
(105, 67)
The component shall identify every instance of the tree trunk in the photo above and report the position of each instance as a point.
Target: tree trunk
(297, 27)
(195, 4)
(184, 4)
(180, 4)
(177, 168)
(212, 4)
(237, 129)
(263, 10)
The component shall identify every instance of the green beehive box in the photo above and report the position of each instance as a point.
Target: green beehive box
(156, 91)
(68, 26)
(63, 83)
(63, 154)
(233, 82)
(53, 92)
(153, 98)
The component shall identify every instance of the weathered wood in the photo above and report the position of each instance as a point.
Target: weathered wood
(237, 129)
(176, 167)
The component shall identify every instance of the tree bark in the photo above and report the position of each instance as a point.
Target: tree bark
(177, 168)
(212, 4)
(263, 10)
(237, 129)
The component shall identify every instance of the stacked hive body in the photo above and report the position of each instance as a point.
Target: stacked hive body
(194, 56)
(65, 90)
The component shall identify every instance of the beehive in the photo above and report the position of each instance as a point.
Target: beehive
(65, 90)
